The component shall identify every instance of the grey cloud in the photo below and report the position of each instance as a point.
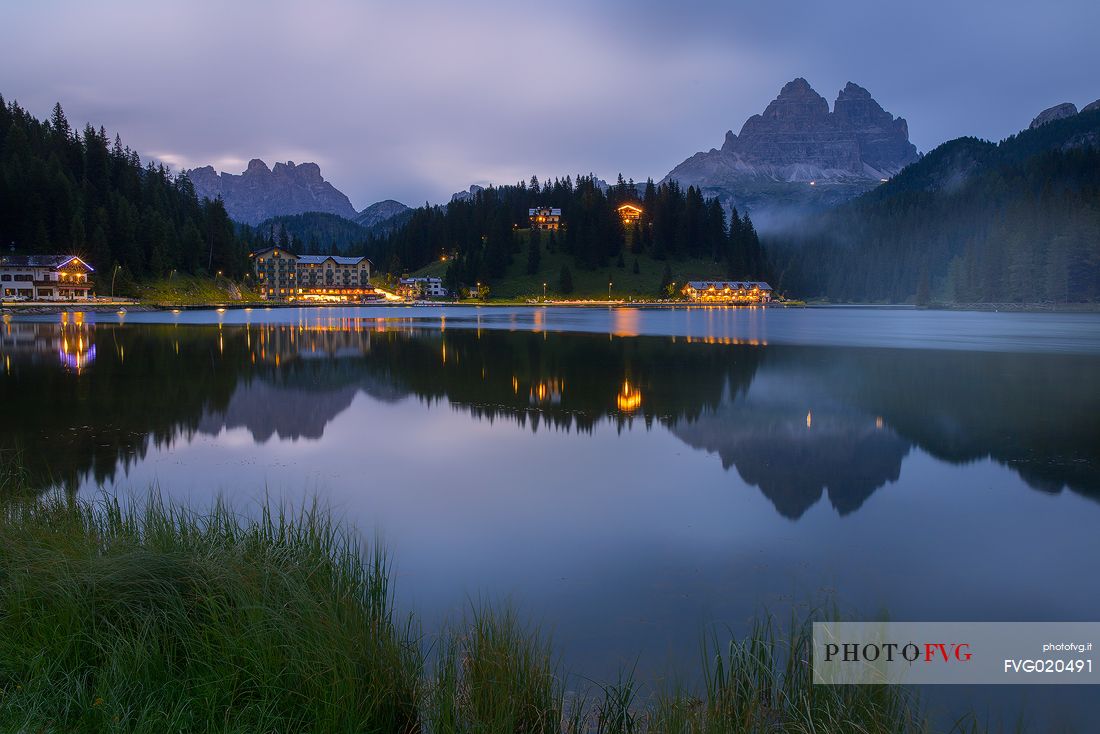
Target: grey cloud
(415, 100)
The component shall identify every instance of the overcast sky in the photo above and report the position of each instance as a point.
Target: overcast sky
(415, 100)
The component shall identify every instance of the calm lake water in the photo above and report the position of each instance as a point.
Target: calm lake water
(626, 477)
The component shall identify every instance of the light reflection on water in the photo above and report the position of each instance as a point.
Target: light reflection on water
(628, 490)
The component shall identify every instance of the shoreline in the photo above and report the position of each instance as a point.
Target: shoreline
(115, 306)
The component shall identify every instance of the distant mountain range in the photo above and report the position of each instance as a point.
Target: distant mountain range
(261, 193)
(798, 154)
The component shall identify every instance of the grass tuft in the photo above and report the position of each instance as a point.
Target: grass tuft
(160, 618)
(154, 617)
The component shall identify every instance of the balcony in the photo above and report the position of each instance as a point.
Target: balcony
(61, 284)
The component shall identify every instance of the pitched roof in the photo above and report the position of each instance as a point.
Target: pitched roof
(314, 259)
(338, 259)
(42, 261)
(272, 249)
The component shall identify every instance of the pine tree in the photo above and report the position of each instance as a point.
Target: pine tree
(565, 280)
(534, 254)
(666, 282)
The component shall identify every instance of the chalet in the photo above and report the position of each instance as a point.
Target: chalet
(630, 214)
(283, 275)
(544, 217)
(727, 291)
(45, 277)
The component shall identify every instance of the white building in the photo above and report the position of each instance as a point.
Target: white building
(44, 277)
(421, 287)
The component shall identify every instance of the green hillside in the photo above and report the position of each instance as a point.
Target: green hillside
(517, 283)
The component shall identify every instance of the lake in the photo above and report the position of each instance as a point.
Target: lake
(625, 477)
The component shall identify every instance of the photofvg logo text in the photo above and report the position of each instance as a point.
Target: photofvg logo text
(854, 653)
(928, 652)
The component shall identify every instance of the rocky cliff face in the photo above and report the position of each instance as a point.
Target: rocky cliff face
(799, 153)
(1057, 112)
(261, 192)
(467, 195)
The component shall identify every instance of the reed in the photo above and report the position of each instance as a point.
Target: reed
(154, 617)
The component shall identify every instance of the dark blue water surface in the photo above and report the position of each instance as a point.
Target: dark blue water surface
(626, 477)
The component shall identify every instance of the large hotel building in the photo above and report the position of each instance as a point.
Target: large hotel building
(282, 275)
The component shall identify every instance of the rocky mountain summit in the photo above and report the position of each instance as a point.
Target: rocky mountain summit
(379, 212)
(1057, 112)
(261, 192)
(467, 195)
(798, 153)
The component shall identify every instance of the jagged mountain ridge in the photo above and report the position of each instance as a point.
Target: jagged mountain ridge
(260, 192)
(797, 140)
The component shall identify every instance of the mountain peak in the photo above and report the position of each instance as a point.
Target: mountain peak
(853, 91)
(1057, 112)
(797, 101)
(798, 140)
(379, 212)
(260, 192)
(796, 87)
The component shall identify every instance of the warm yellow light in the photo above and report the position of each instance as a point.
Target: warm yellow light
(629, 398)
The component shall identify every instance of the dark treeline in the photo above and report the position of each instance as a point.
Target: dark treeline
(69, 192)
(315, 233)
(480, 231)
(972, 222)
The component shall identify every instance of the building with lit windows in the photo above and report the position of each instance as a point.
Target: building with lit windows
(421, 287)
(45, 277)
(630, 213)
(728, 291)
(544, 217)
(283, 275)
(276, 272)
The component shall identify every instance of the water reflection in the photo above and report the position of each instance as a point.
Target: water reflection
(799, 423)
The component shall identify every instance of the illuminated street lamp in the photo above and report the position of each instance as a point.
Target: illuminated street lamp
(544, 291)
(609, 292)
(113, 274)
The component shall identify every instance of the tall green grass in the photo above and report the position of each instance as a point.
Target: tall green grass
(153, 617)
(162, 619)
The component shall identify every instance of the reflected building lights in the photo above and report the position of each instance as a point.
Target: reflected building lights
(629, 398)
